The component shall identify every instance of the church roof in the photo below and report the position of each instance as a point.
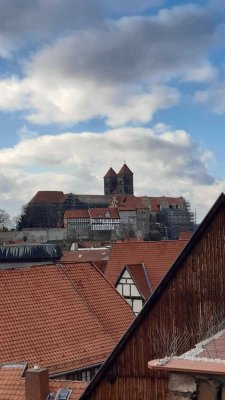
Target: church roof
(125, 170)
(48, 196)
(110, 173)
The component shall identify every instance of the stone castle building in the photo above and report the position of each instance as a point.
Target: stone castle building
(121, 183)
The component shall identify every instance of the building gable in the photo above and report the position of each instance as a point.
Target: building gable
(127, 287)
(194, 285)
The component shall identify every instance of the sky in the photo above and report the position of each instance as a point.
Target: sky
(86, 85)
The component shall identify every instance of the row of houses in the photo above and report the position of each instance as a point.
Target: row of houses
(69, 318)
(137, 216)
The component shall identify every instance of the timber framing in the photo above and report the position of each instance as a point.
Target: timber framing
(190, 299)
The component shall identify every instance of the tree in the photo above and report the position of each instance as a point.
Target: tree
(5, 220)
(22, 220)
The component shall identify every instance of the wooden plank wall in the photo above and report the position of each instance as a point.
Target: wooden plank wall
(190, 305)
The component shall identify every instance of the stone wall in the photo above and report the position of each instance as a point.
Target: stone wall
(35, 235)
(53, 235)
(199, 387)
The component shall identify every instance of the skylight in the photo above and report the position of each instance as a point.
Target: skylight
(63, 394)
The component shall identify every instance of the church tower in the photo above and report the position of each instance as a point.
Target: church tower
(125, 180)
(110, 181)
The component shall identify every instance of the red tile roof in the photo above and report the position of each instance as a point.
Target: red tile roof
(125, 170)
(185, 235)
(12, 384)
(62, 317)
(155, 202)
(44, 196)
(101, 265)
(130, 202)
(213, 348)
(90, 244)
(77, 387)
(110, 173)
(139, 275)
(106, 303)
(111, 212)
(73, 214)
(86, 255)
(156, 256)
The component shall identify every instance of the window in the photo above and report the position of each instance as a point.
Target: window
(83, 375)
(63, 394)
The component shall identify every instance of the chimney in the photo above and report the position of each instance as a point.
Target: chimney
(36, 383)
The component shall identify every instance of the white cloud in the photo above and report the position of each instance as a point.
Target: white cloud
(119, 71)
(164, 162)
(214, 97)
(205, 72)
(130, 6)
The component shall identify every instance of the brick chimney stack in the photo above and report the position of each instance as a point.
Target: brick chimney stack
(36, 383)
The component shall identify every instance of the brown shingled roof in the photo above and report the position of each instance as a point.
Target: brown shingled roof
(110, 173)
(62, 317)
(86, 255)
(12, 384)
(45, 196)
(124, 170)
(130, 202)
(111, 212)
(185, 235)
(155, 202)
(156, 256)
(140, 277)
(73, 214)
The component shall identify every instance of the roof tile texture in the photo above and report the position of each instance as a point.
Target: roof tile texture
(156, 256)
(12, 384)
(111, 212)
(86, 255)
(61, 317)
(130, 202)
(139, 275)
(214, 349)
(73, 214)
(44, 196)
(155, 201)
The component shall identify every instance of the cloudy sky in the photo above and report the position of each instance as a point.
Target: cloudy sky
(88, 84)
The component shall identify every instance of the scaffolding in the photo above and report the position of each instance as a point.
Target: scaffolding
(173, 221)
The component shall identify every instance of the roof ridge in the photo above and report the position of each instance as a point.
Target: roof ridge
(147, 277)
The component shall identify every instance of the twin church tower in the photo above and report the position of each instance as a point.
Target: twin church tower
(121, 183)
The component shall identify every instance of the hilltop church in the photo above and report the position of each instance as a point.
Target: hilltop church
(121, 183)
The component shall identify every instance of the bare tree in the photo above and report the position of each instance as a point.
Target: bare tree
(5, 220)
